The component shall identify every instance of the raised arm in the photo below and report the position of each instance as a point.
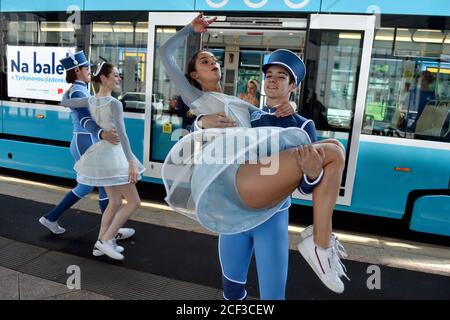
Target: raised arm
(188, 92)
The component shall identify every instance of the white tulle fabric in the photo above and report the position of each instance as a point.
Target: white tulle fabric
(105, 164)
(199, 173)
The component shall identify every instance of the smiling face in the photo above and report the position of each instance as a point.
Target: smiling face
(207, 69)
(251, 88)
(278, 83)
(83, 74)
(112, 80)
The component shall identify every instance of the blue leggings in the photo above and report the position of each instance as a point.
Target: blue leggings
(269, 241)
(78, 146)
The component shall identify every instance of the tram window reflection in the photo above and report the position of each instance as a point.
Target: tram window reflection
(124, 44)
(409, 84)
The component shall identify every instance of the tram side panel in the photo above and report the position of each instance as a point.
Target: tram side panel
(37, 140)
(386, 176)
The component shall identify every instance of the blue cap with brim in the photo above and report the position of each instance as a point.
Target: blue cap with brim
(71, 61)
(289, 61)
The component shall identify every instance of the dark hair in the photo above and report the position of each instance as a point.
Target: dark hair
(191, 68)
(427, 76)
(106, 69)
(71, 76)
(291, 77)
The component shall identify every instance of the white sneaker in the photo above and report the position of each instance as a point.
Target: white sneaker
(338, 247)
(53, 226)
(340, 253)
(309, 231)
(323, 262)
(108, 248)
(98, 253)
(124, 233)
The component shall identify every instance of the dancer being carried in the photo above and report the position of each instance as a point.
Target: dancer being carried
(232, 192)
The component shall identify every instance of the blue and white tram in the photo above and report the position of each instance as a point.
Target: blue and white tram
(378, 80)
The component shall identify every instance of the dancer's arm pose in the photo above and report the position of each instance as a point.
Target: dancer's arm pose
(119, 124)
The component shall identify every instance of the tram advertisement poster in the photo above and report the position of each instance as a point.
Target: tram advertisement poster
(36, 73)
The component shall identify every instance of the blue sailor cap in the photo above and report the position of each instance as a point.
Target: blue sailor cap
(288, 60)
(72, 61)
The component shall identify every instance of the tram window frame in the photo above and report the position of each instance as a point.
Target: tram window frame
(116, 19)
(414, 67)
(38, 18)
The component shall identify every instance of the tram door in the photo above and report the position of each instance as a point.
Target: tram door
(337, 60)
(241, 51)
(165, 113)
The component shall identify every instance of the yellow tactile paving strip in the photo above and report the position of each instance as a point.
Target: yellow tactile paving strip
(382, 251)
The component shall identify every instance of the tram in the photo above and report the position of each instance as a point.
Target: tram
(378, 79)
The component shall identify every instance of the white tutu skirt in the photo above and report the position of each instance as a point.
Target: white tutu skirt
(199, 174)
(104, 164)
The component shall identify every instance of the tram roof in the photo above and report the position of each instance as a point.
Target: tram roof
(411, 7)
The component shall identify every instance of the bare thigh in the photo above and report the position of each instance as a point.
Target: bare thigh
(265, 190)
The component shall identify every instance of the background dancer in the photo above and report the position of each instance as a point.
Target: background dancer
(85, 133)
(111, 166)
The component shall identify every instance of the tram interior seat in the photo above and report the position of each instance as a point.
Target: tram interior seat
(434, 120)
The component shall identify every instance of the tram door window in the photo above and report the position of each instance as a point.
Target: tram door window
(170, 115)
(245, 51)
(125, 45)
(250, 63)
(329, 95)
(409, 84)
(332, 79)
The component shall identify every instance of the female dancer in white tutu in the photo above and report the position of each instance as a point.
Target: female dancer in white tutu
(230, 196)
(111, 166)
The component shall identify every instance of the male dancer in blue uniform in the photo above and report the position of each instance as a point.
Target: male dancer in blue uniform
(284, 72)
(85, 133)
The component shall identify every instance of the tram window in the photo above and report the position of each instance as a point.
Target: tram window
(332, 80)
(25, 32)
(171, 117)
(34, 44)
(408, 93)
(125, 45)
(45, 32)
(250, 63)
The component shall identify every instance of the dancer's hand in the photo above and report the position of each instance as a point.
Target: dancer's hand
(311, 160)
(200, 23)
(285, 109)
(215, 120)
(111, 136)
(132, 172)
